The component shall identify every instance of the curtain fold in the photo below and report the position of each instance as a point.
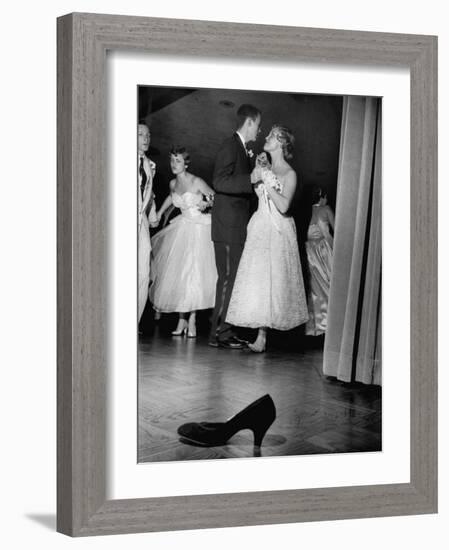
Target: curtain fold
(352, 350)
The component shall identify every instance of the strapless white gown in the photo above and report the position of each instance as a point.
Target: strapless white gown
(269, 287)
(183, 270)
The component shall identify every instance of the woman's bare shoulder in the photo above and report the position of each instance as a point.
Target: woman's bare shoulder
(289, 175)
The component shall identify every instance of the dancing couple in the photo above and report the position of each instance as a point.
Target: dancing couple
(250, 273)
(260, 283)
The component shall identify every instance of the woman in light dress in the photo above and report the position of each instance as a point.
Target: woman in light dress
(269, 289)
(183, 271)
(319, 246)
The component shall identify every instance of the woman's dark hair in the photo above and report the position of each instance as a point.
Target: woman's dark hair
(316, 193)
(181, 151)
(286, 139)
(246, 111)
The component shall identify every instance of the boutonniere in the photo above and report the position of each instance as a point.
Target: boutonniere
(250, 153)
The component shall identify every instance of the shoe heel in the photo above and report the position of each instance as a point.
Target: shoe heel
(259, 434)
(257, 417)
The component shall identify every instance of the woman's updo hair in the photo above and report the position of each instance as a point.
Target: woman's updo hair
(286, 138)
(181, 151)
(316, 193)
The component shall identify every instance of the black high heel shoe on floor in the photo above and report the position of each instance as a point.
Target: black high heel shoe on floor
(258, 417)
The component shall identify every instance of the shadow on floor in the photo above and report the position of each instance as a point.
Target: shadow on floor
(46, 520)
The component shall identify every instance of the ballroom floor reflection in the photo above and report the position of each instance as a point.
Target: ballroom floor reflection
(183, 379)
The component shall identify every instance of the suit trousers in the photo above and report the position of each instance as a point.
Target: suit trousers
(227, 258)
(143, 261)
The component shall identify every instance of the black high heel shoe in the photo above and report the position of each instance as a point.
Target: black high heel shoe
(258, 417)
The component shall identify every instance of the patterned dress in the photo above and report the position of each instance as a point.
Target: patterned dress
(269, 288)
(319, 254)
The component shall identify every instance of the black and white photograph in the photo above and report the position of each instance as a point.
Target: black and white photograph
(259, 274)
(259, 285)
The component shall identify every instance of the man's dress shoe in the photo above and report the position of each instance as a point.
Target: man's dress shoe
(231, 343)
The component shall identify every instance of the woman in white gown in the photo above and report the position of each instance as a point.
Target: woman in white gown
(269, 289)
(319, 246)
(183, 270)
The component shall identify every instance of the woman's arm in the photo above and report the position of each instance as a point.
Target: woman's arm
(168, 201)
(330, 216)
(206, 191)
(202, 186)
(283, 200)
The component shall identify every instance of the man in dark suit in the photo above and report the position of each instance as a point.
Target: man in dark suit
(233, 184)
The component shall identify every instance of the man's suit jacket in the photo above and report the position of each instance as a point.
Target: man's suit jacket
(144, 220)
(233, 192)
(148, 195)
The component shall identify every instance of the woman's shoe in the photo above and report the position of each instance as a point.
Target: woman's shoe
(257, 417)
(181, 328)
(191, 331)
(257, 347)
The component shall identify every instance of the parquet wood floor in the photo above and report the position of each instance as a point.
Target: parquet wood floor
(182, 380)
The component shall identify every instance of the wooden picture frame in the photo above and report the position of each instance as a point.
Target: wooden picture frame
(83, 40)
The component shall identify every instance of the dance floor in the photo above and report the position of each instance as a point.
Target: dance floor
(184, 380)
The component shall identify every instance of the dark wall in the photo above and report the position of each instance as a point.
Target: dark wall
(200, 119)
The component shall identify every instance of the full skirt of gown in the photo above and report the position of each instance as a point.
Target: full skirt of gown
(269, 288)
(183, 270)
(319, 255)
